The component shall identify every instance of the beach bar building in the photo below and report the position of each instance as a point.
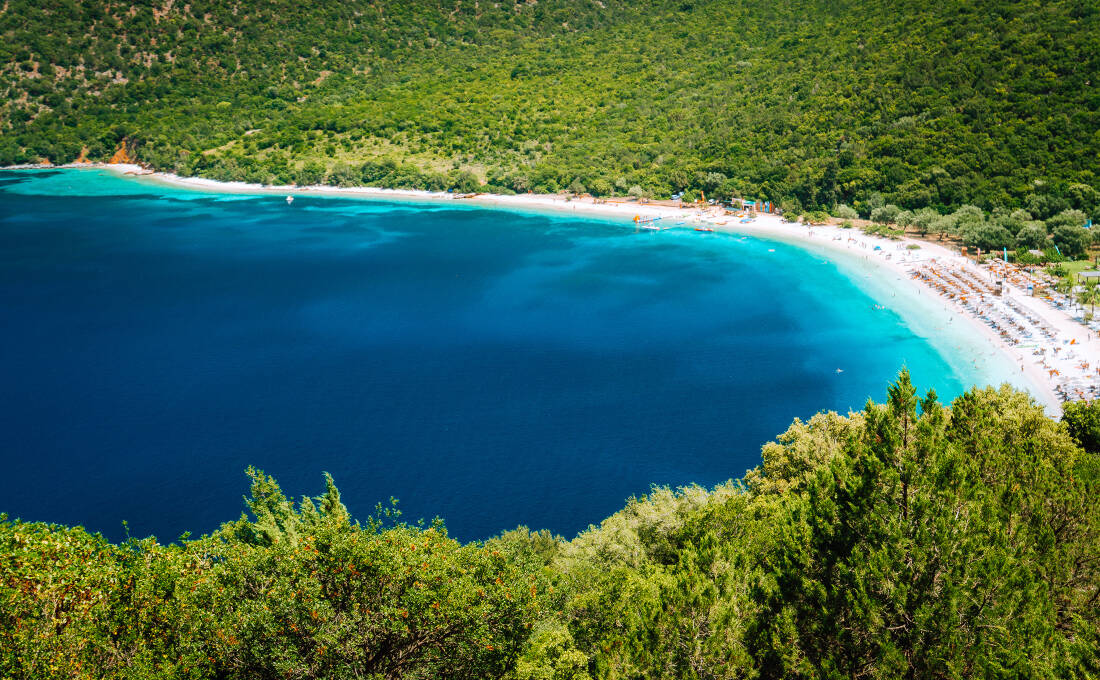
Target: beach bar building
(753, 206)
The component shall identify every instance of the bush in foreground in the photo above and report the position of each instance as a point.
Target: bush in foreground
(910, 539)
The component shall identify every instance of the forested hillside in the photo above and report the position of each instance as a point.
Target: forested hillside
(810, 103)
(909, 540)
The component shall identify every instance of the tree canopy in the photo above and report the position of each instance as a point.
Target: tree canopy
(808, 104)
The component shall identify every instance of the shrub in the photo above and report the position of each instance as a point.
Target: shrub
(1082, 419)
(1067, 218)
(986, 235)
(600, 187)
(886, 214)
(1072, 240)
(1032, 235)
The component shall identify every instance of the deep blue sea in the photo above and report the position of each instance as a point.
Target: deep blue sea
(490, 367)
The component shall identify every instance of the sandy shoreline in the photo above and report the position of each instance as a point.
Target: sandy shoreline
(890, 265)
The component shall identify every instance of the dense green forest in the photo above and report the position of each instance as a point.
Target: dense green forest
(911, 539)
(809, 103)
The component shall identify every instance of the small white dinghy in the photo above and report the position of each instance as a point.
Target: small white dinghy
(289, 200)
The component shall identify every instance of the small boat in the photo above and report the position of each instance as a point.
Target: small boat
(839, 370)
(704, 228)
(289, 200)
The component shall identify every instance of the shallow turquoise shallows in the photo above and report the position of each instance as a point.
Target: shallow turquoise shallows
(493, 368)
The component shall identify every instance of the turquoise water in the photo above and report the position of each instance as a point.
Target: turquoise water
(494, 368)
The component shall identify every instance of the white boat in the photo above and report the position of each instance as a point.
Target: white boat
(289, 200)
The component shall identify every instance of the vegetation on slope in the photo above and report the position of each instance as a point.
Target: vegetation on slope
(1053, 228)
(807, 103)
(908, 540)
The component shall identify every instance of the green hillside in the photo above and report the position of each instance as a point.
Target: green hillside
(807, 103)
(908, 540)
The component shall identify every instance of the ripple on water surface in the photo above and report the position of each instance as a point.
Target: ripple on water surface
(489, 367)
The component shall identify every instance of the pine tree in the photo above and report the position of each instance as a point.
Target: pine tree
(330, 505)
